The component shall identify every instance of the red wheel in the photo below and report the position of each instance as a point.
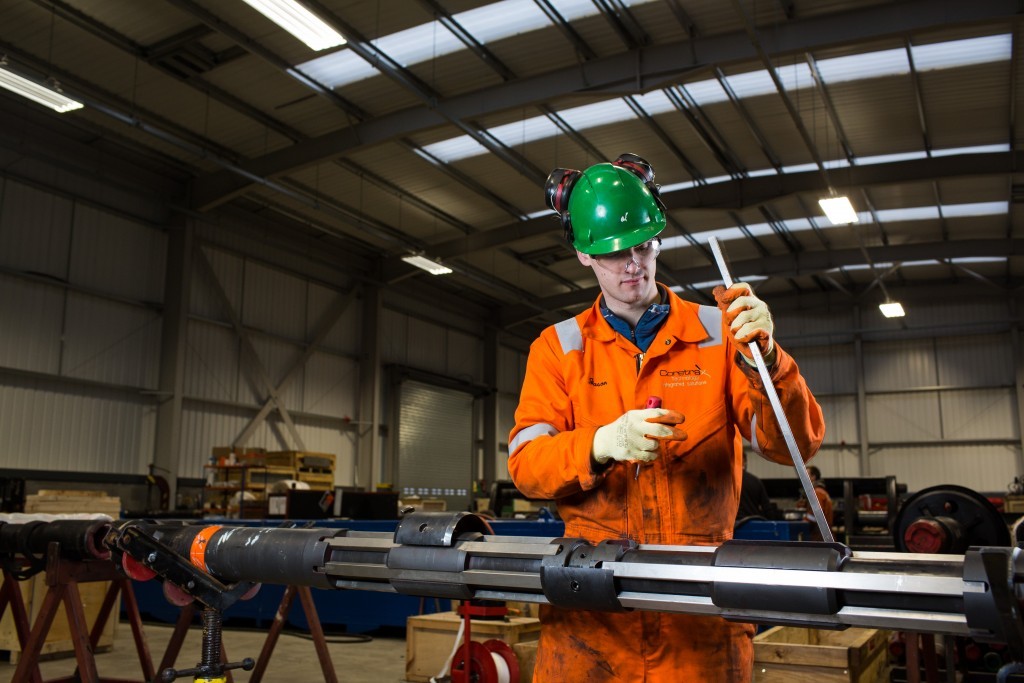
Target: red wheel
(481, 667)
(135, 569)
(251, 593)
(502, 649)
(176, 596)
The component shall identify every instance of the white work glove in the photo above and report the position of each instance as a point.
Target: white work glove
(748, 319)
(634, 435)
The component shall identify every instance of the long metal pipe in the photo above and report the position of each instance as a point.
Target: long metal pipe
(456, 555)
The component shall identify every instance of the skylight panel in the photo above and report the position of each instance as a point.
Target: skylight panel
(889, 158)
(976, 209)
(706, 92)
(598, 114)
(800, 168)
(521, 132)
(795, 76)
(757, 173)
(977, 149)
(751, 84)
(954, 53)
(914, 213)
(422, 43)
(865, 65)
(655, 102)
(454, 149)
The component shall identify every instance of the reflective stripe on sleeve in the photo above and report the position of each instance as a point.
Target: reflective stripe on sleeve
(529, 434)
(711, 318)
(569, 335)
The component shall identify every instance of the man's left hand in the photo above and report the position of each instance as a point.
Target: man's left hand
(748, 319)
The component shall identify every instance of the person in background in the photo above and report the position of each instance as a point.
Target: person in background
(824, 500)
(754, 500)
(589, 433)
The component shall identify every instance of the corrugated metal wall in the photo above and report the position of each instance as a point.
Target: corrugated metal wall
(80, 291)
(225, 388)
(940, 405)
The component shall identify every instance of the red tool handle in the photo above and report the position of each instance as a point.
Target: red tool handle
(653, 402)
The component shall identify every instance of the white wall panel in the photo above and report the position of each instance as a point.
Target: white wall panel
(111, 342)
(331, 386)
(276, 358)
(903, 417)
(211, 362)
(346, 334)
(114, 255)
(828, 369)
(229, 269)
(979, 414)
(76, 429)
(426, 345)
(465, 357)
(840, 413)
(895, 365)
(975, 361)
(325, 437)
(270, 298)
(792, 326)
(982, 468)
(32, 316)
(35, 230)
(511, 370)
(831, 462)
(394, 333)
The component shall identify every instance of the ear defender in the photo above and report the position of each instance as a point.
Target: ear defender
(556, 193)
(639, 167)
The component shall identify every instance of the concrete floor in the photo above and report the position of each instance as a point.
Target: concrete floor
(381, 660)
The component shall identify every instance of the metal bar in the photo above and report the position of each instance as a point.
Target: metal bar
(780, 415)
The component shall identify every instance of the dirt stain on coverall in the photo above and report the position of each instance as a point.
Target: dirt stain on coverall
(602, 667)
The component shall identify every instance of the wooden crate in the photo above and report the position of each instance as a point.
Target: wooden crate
(317, 480)
(786, 654)
(33, 591)
(526, 655)
(297, 459)
(1014, 504)
(429, 639)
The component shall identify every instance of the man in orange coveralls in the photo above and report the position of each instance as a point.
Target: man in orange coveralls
(582, 429)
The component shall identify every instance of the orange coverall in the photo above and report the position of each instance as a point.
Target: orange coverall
(581, 375)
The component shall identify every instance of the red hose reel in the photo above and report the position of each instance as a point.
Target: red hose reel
(477, 662)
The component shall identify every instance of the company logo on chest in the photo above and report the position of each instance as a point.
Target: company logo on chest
(694, 376)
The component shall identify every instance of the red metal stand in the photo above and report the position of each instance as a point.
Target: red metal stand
(62, 579)
(315, 629)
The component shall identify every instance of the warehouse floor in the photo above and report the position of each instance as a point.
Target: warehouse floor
(381, 660)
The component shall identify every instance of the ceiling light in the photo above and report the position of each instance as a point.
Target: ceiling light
(838, 210)
(47, 97)
(299, 21)
(432, 267)
(892, 309)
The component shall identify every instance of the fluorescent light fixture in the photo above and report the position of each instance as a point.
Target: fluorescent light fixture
(892, 309)
(426, 264)
(37, 93)
(838, 210)
(299, 21)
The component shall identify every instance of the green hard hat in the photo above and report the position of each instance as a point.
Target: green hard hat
(612, 209)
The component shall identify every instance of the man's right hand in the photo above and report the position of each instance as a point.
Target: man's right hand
(635, 434)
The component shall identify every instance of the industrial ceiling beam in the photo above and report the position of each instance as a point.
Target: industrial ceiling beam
(635, 70)
(789, 265)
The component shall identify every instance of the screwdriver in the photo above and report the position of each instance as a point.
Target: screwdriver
(652, 402)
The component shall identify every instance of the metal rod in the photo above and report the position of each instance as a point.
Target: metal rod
(780, 415)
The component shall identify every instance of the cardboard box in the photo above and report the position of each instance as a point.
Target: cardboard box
(429, 639)
(787, 654)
